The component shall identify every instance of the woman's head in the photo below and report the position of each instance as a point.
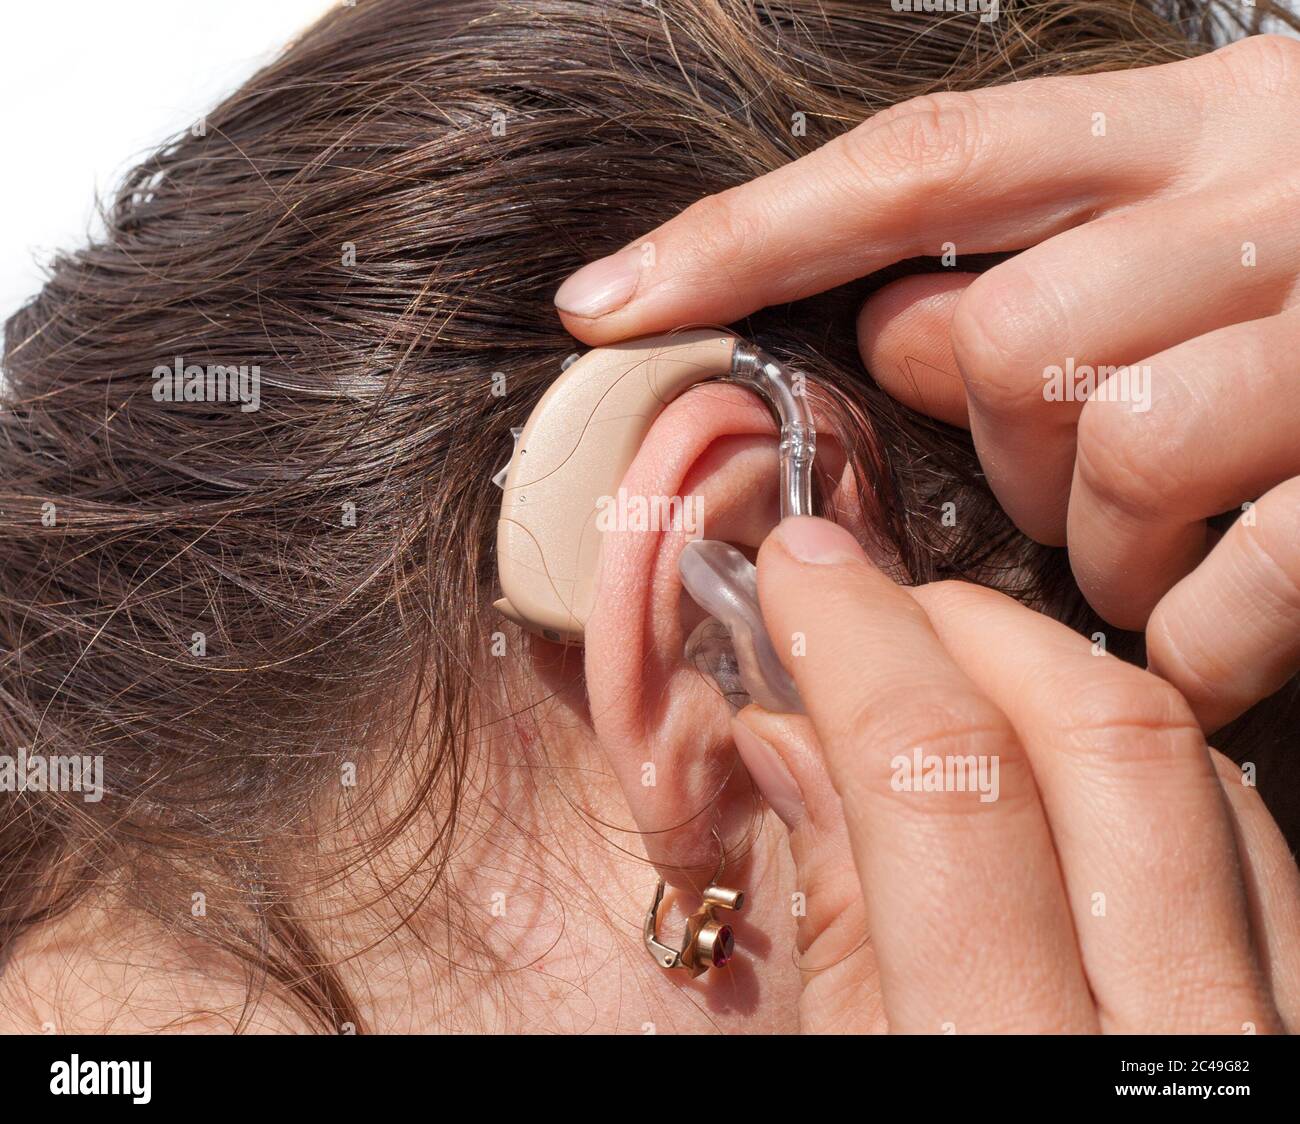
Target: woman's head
(244, 611)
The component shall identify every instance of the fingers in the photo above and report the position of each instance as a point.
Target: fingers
(1029, 334)
(1228, 634)
(1224, 411)
(1272, 888)
(841, 993)
(1142, 830)
(905, 337)
(899, 185)
(963, 896)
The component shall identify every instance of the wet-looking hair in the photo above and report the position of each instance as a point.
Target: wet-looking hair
(231, 606)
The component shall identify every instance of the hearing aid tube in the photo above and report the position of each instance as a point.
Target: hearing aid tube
(724, 583)
(785, 395)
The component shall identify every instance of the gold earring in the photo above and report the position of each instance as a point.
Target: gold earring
(708, 942)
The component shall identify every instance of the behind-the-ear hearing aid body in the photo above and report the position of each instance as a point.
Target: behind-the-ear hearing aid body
(573, 454)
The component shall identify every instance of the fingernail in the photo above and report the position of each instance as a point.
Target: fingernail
(602, 286)
(807, 539)
(769, 773)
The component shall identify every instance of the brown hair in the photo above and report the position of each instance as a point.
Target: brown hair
(378, 221)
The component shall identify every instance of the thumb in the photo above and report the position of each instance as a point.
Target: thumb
(841, 987)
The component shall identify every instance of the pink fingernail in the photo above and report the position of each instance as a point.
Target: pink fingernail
(770, 774)
(807, 539)
(602, 286)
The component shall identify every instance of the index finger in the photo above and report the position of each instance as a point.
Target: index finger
(964, 898)
(995, 169)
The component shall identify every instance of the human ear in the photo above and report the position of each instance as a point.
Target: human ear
(663, 726)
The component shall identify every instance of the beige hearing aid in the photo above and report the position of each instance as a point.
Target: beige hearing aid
(573, 454)
(575, 449)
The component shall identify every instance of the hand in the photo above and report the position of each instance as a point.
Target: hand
(1105, 870)
(1158, 208)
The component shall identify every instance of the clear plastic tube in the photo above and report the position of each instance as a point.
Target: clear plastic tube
(734, 647)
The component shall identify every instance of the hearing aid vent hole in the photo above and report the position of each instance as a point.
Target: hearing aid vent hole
(551, 634)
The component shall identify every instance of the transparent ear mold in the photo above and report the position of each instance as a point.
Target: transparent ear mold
(733, 647)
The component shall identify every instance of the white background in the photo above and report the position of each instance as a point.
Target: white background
(89, 86)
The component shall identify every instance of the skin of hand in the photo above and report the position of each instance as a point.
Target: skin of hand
(1117, 875)
(1159, 266)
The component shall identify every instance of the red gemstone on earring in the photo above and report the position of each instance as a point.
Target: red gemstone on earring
(724, 946)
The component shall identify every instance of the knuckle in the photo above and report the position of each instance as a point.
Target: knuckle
(902, 711)
(1127, 718)
(996, 338)
(723, 231)
(1261, 64)
(1273, 537)
(1129, 460)
(1266, 549)
(933, 138)
(957, 738)
(1201, 673)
